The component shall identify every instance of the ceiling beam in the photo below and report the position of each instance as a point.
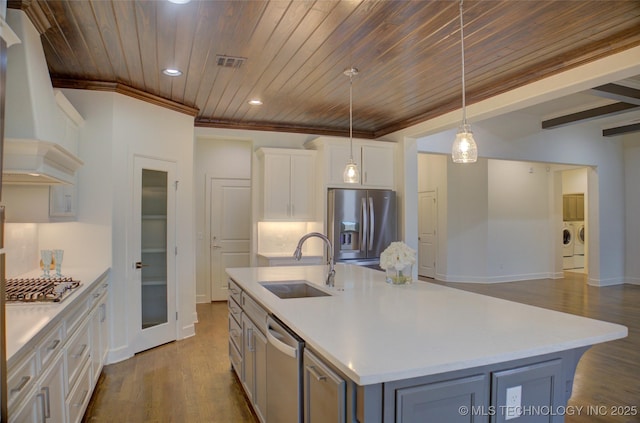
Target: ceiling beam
(618, 93)
(591, 114)
(619, 130)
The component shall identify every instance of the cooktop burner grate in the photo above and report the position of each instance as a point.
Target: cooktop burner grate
(39, 289)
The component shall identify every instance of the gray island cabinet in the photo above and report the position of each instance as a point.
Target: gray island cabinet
(375, 352)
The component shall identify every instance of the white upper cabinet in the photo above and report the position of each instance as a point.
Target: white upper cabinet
(287, 183)
(375, 160)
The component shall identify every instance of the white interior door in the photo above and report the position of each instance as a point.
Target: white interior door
(153, 241)
(230, 228)
(427, 240)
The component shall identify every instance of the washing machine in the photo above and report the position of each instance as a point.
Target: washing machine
(578, 245)
(568, 241)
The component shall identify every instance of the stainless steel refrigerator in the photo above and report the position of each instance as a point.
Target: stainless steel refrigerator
(361, 224)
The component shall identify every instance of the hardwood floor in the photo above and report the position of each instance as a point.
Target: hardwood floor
(191, 381)
(608, 375)
(188, 381)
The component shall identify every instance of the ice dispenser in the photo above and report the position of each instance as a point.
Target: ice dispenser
(349, 236)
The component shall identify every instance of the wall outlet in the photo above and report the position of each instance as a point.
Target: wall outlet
(513, 403)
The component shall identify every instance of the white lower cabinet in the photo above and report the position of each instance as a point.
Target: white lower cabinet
(52, 381)
(45, 403)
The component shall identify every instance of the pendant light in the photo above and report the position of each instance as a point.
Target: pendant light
(351, 173)
(464, 147)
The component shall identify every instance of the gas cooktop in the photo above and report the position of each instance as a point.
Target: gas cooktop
(29, 290)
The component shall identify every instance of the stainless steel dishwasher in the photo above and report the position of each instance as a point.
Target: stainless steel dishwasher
(284, 373)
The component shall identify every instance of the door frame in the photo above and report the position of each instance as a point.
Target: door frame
(136, 339)
(207, 224)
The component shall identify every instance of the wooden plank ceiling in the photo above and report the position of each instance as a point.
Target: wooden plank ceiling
(408, 54)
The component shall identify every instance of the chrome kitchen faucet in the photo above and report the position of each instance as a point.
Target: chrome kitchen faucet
(298, 254)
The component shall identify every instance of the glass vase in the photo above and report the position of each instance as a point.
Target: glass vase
(401, 276)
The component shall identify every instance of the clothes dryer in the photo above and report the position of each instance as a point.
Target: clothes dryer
(578, 246)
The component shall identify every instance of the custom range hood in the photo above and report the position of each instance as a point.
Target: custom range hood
(35, 123)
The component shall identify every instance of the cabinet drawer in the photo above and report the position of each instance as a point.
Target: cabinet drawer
(74, 317)
(236, 359)
(77, 352)
(234, 309)
(21, 379)
(254, 311)
(98, 293)
(79, 396)
(235, 333)
(50, 346)
(234, 290)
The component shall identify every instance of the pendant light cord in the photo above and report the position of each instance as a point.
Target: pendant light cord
(351, 114)
(464, 109)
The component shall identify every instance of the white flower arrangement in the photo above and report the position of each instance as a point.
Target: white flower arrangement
(397, 255)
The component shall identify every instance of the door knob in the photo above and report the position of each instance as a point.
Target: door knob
(140, 265)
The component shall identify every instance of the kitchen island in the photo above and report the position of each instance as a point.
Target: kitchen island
(411, 351)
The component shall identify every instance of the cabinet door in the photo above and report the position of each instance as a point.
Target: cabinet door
(277, 190)
(324, 392)
(31, 411)
(540, 386)
(377, 166)
(63, 200)
(338, 156)
(302, 192)
(440, 401)
(248, 357)
(53, 389)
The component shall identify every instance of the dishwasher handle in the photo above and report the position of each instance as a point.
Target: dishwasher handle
(272, 337)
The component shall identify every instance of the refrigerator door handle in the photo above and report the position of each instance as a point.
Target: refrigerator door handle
(365, 226)
(373, 223)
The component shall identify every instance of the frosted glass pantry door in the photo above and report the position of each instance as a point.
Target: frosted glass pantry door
(153, 296)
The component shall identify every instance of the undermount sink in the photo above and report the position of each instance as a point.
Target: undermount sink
(293, 289)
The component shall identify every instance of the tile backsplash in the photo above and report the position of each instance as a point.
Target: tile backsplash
(21, 247)
(283, 237)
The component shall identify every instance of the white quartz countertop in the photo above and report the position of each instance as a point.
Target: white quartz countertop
(376, 332)
(25, 320)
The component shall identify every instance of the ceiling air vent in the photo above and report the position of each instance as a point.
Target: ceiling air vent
(230, 61)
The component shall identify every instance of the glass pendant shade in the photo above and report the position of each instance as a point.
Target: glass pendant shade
(464, 147)
(351, 174)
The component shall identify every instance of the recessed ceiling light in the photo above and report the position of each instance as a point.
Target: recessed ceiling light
(255, 102)
(172, 72)
(180, 1)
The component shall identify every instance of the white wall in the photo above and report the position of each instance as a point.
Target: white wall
(467, 223)
(632, 207)
(520, 233)
(116, 128)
